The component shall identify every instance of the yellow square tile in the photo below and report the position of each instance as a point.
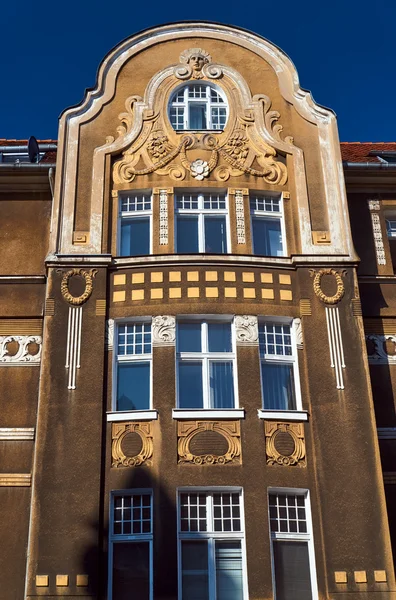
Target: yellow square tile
(286, 295)
(249, 293)
(212, 292)
(119, 296)
(360, 576)
(157, 293)
(138, 278)
(340, 577)
(175, 292)
(193, 292)
(175, 276)
(119, 279)
(211, 275)
(62, 580)
(192, 275)
(380, 576)
(82, 580)
(266, 278)
(248, 277)
(230, 292)
(285, 279)
(137, 294)
(42, 580)
(157, 277)
(229, 276)
(267, 294)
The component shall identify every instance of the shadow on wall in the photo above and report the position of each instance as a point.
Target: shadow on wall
(124, 560)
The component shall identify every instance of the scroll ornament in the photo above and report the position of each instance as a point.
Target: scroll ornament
(164, 330)
(141, 431)
(285, 444)
(246, 328)
(17, 349)
(229, 430)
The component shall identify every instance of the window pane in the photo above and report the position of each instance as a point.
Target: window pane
(278, 386)
(189, 337)
(187, 234)
(219, 337)
(197, 116)
(229, 583)
(131, 570)
(221, 385)
(133, 386)
(267, 238)
(215, 235)
(292, 575)
(190, 385)
(195, 570)
(135, 237)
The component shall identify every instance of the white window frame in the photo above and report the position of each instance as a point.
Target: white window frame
(266, 214)
(206, 357)
(117, 415)
(141, 537)
(268, 413)
(390, 217)
(201, 212)
(207, 101)
(211, 536)
(308, 537)
(134, 214)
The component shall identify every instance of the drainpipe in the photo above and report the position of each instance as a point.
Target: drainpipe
(370, 165)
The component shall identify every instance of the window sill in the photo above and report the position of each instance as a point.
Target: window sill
(283, 415)
(202, 413)
(132, 415)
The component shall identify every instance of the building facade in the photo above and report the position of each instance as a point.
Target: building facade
(187, 404)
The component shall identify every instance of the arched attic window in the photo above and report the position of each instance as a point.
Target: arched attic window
(198, 106)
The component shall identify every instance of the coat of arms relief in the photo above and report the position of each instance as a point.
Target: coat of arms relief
(242, 146)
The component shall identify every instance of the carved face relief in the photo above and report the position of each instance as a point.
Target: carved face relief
(196, 62)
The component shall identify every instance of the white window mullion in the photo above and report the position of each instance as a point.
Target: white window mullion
(212, 568)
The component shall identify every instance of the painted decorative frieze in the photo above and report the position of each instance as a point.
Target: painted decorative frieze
(209, 442)
(246, 330)
(240, 217)
(241, 149)
(132, 444)
(164, 330)
(163, 202)
(285, 444)
(22, 350)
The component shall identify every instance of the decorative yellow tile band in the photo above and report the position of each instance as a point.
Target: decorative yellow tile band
(211, 276)
(137, 277)
(192, 275)
(157, 277)
(229, 276)
(340, 577)
(62, 580)
(137, 294)
(119, 296)
(119, 279)
(360, 576)
(285, 279)
(42, 580)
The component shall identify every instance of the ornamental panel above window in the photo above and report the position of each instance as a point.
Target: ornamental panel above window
(198, 106)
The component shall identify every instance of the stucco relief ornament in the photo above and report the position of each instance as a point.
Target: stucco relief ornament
(318, 290)
(164, 330)
(20, 349)
(199, 169)
(88, 276)
(196, 63)
(246, 328)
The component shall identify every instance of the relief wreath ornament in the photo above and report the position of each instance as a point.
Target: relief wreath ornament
(88, 276)
(318, 290)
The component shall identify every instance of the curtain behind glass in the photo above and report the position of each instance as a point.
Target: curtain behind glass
(190, 384)
(197, 116)
(221, 384)
(292, 574)
(187, 234)
(215, 235)
(229, 581)
(135, 237)
(267, 240)
(131, 571)
(278, 386)
(195, 579)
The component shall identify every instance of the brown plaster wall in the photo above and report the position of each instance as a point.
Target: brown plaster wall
(24, 234)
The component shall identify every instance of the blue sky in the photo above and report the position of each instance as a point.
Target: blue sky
(344, 51)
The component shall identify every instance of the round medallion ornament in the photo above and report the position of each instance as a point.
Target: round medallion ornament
(319, 292)
(88, 277)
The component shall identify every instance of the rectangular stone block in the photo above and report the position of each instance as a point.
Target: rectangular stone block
(175, 276)
(81, 580)
(193, 292)
(137, 294)
(286, 295)
(192, 275)
(266, 278)
(249, 293)
(380, 576)
(212, 292)
(42, 580)
(360, 576)
(230, 292)
(267, 294)
(175, 292)
(157, 293)
(211, 276)
(119, 279)
(248, 277)
(62, 580)
(285, 279)
(157, 277)
(119, 296)
(229, 276)
(340, 577)
(138, 278)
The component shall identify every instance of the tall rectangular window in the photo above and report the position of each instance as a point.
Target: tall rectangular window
(135, 224)
(133, 362)
(130, 549)
(211, 546)
(279, 375)
(205, 370)
(201, 223)
(292, 548)
(267, 225)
